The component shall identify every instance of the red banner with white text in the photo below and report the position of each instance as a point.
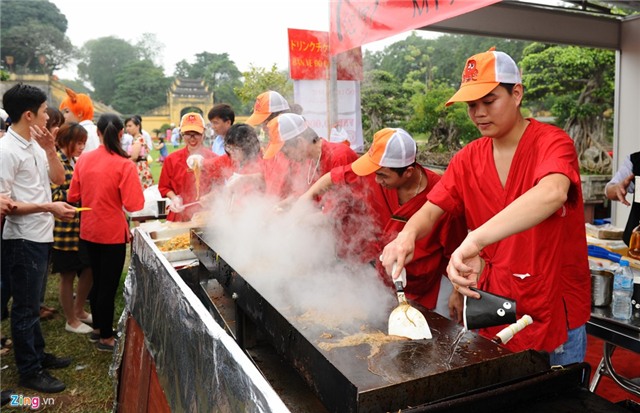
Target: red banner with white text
(357, 22)
(309, 57)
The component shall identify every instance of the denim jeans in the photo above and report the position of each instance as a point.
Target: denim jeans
(573, 350)
(25, 263)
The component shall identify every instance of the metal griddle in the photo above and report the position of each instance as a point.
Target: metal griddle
(397, 375)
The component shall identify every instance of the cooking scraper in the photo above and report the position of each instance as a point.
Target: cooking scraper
(407, 321)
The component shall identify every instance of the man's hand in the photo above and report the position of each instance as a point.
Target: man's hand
(398, 252)
(6, 205)
(62, 210)
(618, 192)
(464, 267)
(456, 306)
(176, 205)
(44, 137)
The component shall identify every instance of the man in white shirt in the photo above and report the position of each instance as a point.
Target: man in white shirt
(28, 164)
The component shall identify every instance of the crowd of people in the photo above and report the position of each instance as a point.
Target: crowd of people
(505, 217)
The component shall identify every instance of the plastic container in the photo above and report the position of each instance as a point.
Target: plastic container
(622, 292)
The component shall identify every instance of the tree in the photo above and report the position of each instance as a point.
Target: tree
(258, 80)
(405, 56)
(222, 76)
(384, 102)
(448, 128)
(102, 60)
(149, 47)
(141, 86)
(218, 72)
(583, 80)
(33, 32)
(76, 85)
(443, 57)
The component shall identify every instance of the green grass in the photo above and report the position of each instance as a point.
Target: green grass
(89, 387)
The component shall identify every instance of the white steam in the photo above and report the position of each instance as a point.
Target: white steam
(290, 258)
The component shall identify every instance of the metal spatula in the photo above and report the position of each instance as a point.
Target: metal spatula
(407, 321)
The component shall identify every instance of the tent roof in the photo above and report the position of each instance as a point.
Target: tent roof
(581, 23)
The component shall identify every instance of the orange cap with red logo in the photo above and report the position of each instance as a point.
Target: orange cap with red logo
(192, 121)
(391, 148)
(483, 72)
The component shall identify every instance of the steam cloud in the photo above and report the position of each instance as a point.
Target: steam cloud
(290, 258)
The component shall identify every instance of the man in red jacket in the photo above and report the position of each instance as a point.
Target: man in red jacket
(519, 189)
(392, 186)
(313, 155)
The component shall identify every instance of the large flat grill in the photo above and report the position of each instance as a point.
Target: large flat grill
(366, 378)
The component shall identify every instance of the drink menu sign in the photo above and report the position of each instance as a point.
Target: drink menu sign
(309, 57)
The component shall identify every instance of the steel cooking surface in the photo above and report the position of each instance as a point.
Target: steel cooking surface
(358, 368)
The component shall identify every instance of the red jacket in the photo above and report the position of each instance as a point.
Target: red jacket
(545, 268)
(176, 176)
(106, 183)
(386, 217)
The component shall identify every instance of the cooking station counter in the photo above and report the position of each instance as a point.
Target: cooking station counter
(178, 354)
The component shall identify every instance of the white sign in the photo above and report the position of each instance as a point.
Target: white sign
(312, 96)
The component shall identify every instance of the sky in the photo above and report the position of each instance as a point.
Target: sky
(251, 32)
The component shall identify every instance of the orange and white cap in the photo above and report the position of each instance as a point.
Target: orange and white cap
(281, 129)
(483, 72)
(391, 148)
(266, 104)
(192, 121)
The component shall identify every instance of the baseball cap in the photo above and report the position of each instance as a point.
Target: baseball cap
(266, 104)
(281, 129)
(391, 148)
(483, 72)
(192, 121)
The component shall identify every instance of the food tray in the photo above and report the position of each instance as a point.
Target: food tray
(179, 255)
(175, 255)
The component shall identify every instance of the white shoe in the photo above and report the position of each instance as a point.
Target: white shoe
(88, 320)
(81, 329)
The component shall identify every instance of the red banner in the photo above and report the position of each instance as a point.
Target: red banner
(357, 22)
(309, 57)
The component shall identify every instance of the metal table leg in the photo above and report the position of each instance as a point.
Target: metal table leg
(605, 367)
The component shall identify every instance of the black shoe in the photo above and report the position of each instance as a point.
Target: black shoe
(95, 337)
(42, 381)
(52, 362)
(104, 347)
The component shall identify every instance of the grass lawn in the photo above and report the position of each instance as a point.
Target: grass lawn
(90, 389)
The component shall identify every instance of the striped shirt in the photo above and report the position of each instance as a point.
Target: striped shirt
(66, 234)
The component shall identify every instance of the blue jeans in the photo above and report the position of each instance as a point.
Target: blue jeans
(573, 350)
(25, 263)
